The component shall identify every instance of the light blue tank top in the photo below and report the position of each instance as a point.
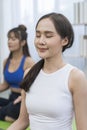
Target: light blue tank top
(14, 78)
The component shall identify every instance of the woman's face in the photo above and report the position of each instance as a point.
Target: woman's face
(47, 41)
(13, 42)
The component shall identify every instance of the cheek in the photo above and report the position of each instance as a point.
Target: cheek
(35, 42)
(56, 47)
(17, 45)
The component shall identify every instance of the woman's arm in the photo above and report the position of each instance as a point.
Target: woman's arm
(4, 86)
(23, 120)
(79, 92)
(29, 62)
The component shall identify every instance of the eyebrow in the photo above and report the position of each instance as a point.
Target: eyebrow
(37, 31)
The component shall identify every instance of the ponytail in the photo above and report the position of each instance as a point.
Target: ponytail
(31, 75)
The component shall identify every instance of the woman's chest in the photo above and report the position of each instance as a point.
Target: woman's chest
(50, 98)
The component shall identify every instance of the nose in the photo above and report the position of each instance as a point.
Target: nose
(42, 40)
(9, 40)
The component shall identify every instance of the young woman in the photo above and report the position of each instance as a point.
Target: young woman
(55, 90)
(14, 67)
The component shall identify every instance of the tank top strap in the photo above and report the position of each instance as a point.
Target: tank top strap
(22, 62)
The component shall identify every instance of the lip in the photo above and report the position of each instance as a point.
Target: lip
(42, 49)
(9, 46)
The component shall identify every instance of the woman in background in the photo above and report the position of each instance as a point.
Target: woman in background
(15, 65)
(55, 90)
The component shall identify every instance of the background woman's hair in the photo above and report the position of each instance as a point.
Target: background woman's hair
(64, 29)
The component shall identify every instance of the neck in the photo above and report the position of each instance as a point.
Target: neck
(53, 65)
(17, 55)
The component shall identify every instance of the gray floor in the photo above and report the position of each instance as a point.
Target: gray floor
(5, 94)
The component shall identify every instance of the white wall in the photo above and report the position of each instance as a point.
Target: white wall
(15, 12)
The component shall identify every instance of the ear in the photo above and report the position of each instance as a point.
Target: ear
(23, 43)
(65, 41)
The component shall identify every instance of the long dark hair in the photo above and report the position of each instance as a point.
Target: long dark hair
(64, 29)
(20, 32)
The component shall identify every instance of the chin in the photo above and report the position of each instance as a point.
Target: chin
(42, 57)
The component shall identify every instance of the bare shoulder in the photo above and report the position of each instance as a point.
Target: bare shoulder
(29, 62)
(77, 74)
(26, 71)
(77, 79)
(4, 62)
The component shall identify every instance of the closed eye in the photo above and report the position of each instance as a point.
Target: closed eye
(38, 36)
(49, 36)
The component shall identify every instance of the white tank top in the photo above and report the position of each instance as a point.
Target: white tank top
(49, 101)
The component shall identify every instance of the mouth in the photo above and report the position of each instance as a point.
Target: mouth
(42, 49)
(9, 46)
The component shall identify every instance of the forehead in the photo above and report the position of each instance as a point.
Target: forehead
(11, 34)
(46, 25)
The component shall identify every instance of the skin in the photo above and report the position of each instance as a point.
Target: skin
(49, 46)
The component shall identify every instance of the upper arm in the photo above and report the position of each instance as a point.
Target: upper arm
(28, 65)
(79, 92)
(4, 85)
